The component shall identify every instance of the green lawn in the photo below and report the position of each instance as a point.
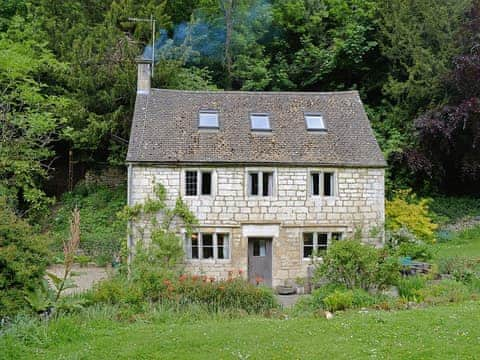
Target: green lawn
(448, 332)
(465, 243)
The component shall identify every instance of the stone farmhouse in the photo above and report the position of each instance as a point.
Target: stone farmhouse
(273, 177)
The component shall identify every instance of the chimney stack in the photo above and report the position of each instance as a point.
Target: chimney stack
(144, 76)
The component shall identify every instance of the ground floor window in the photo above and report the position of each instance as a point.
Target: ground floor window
(206, 245)
(316, 243)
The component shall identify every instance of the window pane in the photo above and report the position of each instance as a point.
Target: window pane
(191, 183)
(208, 119)
(259, 247)
(307, 245)
(322, 242)
(315, 184)
(315, 122)
(253, 183)
(260, 122)
(267, 185)
(194, 246)
(328, 184)
(206, 183)
(207, 246)
(222, 244)
(336, 236)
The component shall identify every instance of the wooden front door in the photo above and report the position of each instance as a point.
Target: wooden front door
(260, 261)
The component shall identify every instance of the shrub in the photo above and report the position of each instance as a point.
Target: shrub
(184, 292)
(444, 291)
(355, 265)
(338, 300)
(406, 210)
(408, 287)
(23, 259)
(454, 208)
(417, 251)
(461, 268)
(102, 231)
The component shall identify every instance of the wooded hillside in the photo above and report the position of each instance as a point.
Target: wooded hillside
(68, 75)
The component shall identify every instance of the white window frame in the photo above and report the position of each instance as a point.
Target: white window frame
(188, 246)
(312, 115)
(260, 172)
(269, 123)
(201, 127)
(213, 178)
(321, 173)
(315, 241)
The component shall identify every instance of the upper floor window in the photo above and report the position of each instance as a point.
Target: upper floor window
(198, 182)
(208, 119)
(260, 183)
(208, 246)
(322, 183)
(260, 122)
(315, 122)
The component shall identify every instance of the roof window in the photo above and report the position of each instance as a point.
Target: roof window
(208, 119)
(260, 122)
(315, 122)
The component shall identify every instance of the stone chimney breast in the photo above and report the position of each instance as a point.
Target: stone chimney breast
(144, 76)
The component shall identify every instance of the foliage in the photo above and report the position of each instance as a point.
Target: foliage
(185, 291)
(465, 243)
(462, 269)
(33, 115)
(70, 247)
(449, 209)
(446, 153)
(416, 250)
(355, 265)
(103, 233)
(23, 259)
(338, 300)
(406, 210)
(445, 291)
(446, 331)
(408, 287)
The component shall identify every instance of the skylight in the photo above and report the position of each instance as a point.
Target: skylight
(260, 122)
(315, 122)
(208, 119)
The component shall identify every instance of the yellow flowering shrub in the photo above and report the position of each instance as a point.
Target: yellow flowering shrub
(408, 211)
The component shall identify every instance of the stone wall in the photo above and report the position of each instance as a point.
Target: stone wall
(358, 204)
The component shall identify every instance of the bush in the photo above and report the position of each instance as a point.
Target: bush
(338, 300)
(417, 251)
(184, 292)
(405, 210)
(23, 260)
(453, 208)
(333, 297)
(103, 233)
(408, 287)
(444, 291)
(355, 265)
(462, 269)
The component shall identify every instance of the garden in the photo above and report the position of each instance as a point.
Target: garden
(366, 299)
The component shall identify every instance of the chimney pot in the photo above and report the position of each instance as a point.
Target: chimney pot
(144, 76)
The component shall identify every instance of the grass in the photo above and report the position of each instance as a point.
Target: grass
(450, 209)
(102, 232)
(450, 331)
(465, 243)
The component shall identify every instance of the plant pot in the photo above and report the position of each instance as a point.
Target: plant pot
(285, 290)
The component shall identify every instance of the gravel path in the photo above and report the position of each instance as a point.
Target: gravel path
(84, 277)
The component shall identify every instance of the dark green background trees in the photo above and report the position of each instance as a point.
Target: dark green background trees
(67, 76)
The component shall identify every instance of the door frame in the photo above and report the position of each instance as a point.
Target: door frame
(269, 254)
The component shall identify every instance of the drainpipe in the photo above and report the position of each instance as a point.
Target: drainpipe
(129, 224)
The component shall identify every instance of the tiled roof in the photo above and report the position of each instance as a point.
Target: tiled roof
(165, 129)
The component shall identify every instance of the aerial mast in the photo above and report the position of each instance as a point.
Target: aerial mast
(152, 24)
